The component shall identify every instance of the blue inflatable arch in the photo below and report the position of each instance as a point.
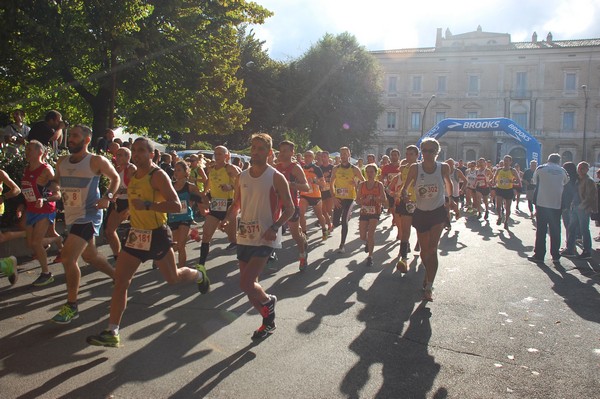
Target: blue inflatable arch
(532, 146)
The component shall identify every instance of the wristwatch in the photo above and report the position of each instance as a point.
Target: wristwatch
(147, 205)
(110, 196)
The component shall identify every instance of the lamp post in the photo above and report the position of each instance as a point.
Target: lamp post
(585, 108)
(424, 112)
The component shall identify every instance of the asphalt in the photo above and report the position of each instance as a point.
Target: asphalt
(500, 326)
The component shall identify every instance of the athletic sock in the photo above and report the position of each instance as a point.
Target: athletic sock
(114, 328)
(204, 247)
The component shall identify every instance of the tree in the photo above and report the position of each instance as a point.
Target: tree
(163, 65)
(333, 92)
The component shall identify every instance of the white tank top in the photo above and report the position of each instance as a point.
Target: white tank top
(260, 208)
(429, 188)
(80, 192)
(455, 183)
(471, 178)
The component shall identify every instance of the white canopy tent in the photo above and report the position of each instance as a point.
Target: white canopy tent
(123, 135)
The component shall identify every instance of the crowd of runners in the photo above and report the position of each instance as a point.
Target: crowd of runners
(163, 202)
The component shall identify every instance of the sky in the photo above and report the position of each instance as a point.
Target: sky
(393, 24)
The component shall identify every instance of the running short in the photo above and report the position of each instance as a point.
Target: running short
(160, 244)
(423, 221)
(325, 194)
(485, 191)
(85, 230)
(32, 218)
(296, 215)
(247, 252)
(506, 193)
(401, 209)
(312, 201)
(364, 218)
(175, 225)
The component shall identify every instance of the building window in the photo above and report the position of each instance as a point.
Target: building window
(521, 119)
(521, 84)
(570, 81)
(472, 115)
(392, 84)
(568, 123)
(567, 156)
(439, 116)
(391, 120)
(471, 155)
(416, 84)
(415, 120)
(441, 84)
(473, 89)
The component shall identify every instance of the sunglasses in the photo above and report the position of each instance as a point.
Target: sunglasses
(428, 150)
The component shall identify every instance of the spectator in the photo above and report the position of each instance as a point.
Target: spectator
(103, 142)
(18, 130)
(166, 164)
(550, 179)
(568, 194)
(48, 131)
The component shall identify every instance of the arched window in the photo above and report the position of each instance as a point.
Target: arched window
(567, 156)
(471, 155)
(519, 157)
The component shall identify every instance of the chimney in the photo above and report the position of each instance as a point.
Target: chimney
(549, 37)
(448, 33)
(438, 38)
(534, 37)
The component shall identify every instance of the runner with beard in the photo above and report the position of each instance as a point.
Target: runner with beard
(78, 175)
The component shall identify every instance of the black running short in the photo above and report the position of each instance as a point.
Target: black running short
(485, 191)
(423, 221)
(161, 242)
(506, 193)
(325, 194)
(247, 252)
(312, 201)
(85, 231)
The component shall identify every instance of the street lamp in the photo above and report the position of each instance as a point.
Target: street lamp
(585, 93)
(424, 112)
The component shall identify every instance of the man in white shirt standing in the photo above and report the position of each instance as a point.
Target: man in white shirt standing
(550, 179)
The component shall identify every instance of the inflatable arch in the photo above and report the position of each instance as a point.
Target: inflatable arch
(532, 146)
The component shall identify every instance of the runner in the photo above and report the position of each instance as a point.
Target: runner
(296, 178)
(371, 199)
(40, 192)
(458, 180)
(430, 179)
(222, 178)
(484, 176)
(343, 185)
(312, 197)
(151, 196)
(505, 178)
(180, 222)
(261, 194)
(405, 207)
(78, 175)
(118, 210)
(13, 191)
(530, 186)
(327, 198)
(388, 172)
(471, 197)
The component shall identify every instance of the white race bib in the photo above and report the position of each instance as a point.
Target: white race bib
(139, 239)
(249, 230)
(72, 197)
(427, 191)
(218, 204)
(369, 209)
(342, 192)
(29, 194)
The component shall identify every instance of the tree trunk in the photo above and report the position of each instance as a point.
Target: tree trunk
(100, 112)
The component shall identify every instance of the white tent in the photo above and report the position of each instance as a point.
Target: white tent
(123, 135)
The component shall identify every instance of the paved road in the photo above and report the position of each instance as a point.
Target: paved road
(500, 326)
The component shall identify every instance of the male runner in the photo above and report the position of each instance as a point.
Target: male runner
(326, 196)
(505, 178)
(312, 197)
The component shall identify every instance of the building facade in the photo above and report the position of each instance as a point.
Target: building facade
(550, 88)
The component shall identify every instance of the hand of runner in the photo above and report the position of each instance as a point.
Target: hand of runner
(102, 203)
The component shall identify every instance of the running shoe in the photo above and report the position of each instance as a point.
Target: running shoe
(584, 255)
(272, 257)
(341, 250)
(428, 293)
(535, 259)
(231, 245)
(66, 314)
(402, 265)
(499, 221)
(302, 264)
(8, 266)
(105, 338)
(58, 259)
(567, 254)
(369, 262)
(487, 214)
(264, 331)
(43, 279)
(325, 235)
(267, 311)
(366, 248)
(204, 285)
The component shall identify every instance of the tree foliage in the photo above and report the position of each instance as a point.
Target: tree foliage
(170, 64)
(333, 92)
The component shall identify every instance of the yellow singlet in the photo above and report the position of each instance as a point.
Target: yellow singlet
(504, 179)
(344, 183)
(412, 195)
(142, 189)
(216, 178)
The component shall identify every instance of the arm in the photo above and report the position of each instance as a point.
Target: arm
(447, 181)
(103, 166)
(14, 189)
(410, 178)
(301, 184)
(382, 198)
(161, 182)
(283, 192)
(357, 174)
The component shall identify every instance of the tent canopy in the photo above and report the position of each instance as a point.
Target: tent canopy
(123, 135)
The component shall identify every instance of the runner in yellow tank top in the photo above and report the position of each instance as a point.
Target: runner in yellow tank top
(151, 196)
(505, 178)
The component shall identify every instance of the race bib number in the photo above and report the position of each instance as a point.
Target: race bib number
(249, 230)
(369, 209)
(29, 194)
(184, 208)
(428, 191)
(342, 192)
(218, 205)
(72, 197)
(139, 239)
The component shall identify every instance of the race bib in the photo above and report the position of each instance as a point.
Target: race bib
(342, 192)
(72, 197)
(139, 239)
(249, 230)
(29, 194)
(218, 205)
(428, 191)
(369, 209)
(184, 208)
